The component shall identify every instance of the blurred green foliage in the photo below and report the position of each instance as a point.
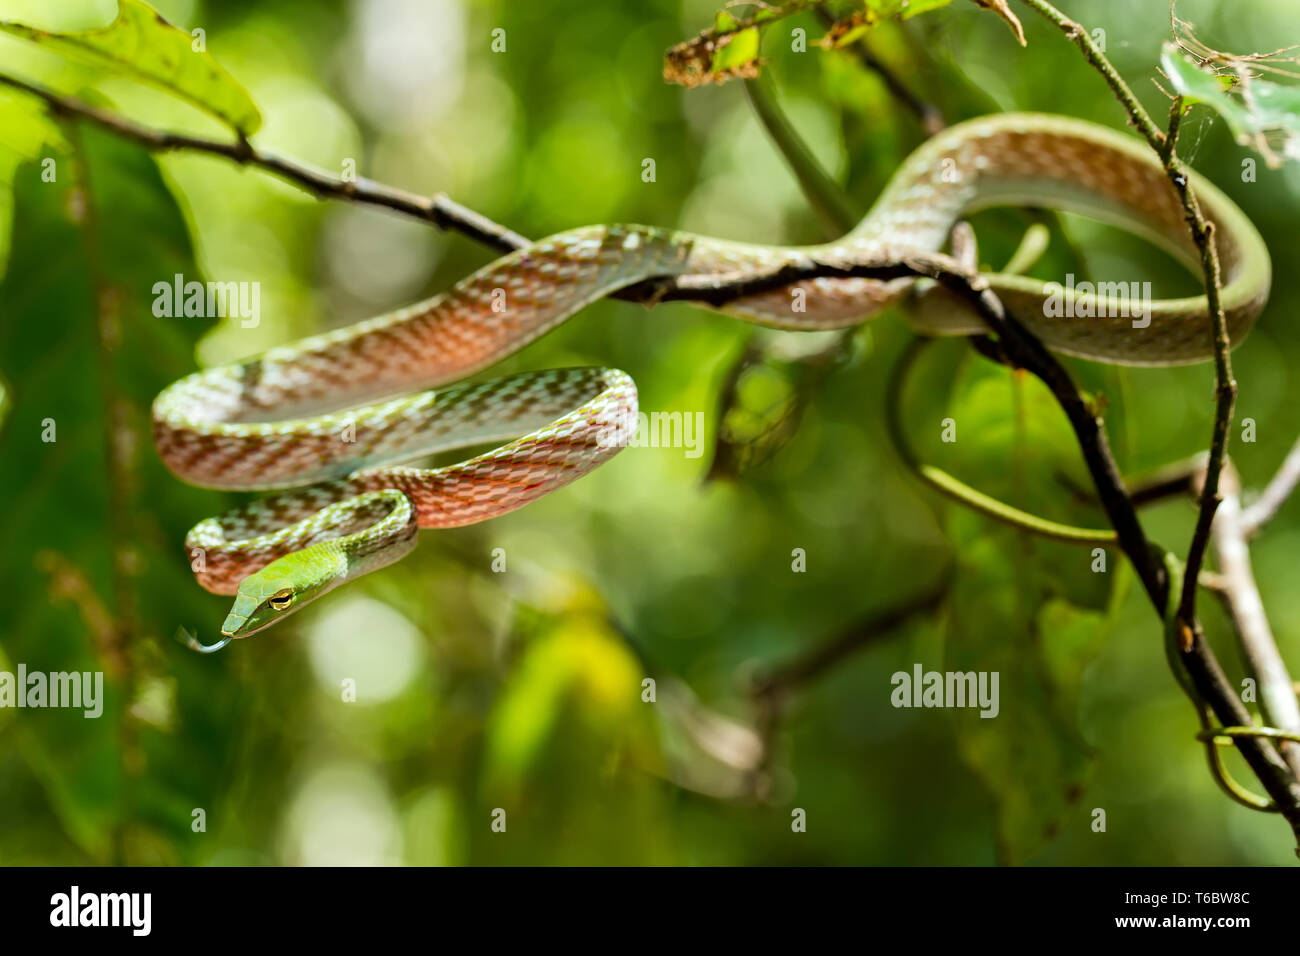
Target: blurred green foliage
(512, 679)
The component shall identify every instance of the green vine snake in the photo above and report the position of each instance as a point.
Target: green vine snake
(326, 422)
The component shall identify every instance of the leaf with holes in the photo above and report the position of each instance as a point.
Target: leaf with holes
(1261, 110)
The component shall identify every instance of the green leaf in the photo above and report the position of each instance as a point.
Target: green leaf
(766, 393)
(1033, 611)
(578, 665)
(737, 53)
(846, 32)
(24, 131)
(96, 575)
(1272, 108)
(1014, 443)
(1032, 755)
(144, 46)
(1199, 86)
(905, 9)
(730, 48)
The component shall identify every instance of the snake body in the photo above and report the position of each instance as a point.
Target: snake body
(334, 412)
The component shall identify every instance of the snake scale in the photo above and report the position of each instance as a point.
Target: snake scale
(337, 412)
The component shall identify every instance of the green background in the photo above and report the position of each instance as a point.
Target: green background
(522, 690)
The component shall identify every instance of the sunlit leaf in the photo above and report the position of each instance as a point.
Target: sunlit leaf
(1270, 108)
(906, 9)
(141, 44)
(577, 668)
(730, 47)
(24, 130)
(849, 28)
(738, 56)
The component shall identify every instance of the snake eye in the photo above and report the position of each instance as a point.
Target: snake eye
(281, 599)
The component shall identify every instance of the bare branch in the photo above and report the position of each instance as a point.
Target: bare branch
(1277, 698)
(821, 658)
(438, 209)
(1275, 493)
(823, 193)
(1276, 776)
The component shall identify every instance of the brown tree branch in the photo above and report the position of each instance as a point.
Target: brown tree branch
(1275, 493)
(811, 664)
(1202, 233)
(1277, 697)
(1282, 784)
(439, 209)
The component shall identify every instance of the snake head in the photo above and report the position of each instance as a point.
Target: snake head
(282, 587)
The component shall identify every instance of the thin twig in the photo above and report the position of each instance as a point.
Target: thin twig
(1282, 785)
(821, 658)
(958, 490)
(1202, 233)
(1175, 479)
(1017, 344)
(1230, 732)
(1075, 32)
(931, 116)
(1277, 698)
(438, 209)
(1275, 493)
(823, 193)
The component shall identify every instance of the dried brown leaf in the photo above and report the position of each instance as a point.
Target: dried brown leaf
(1001, 9)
